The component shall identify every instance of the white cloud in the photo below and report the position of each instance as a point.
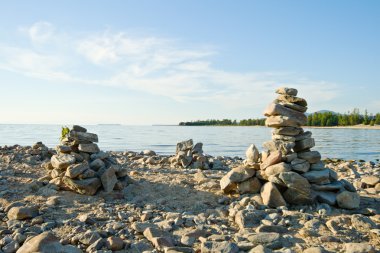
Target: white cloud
(158, 66)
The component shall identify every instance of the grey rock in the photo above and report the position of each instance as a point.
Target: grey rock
(281, 121)
(273, 158)
(310, 156)
(22, 213)
(318, 176)
(251, 185)
(252, 154)
(62, 161)
(289, 131)
(269, 240)
(277, 169)
(89, 148)
(184, 145)
(292, 99)
(75, 170)
(300, 165)
(358, 248)
(298, 191)
(271, 196)
(97, 164)
(109, 179)
(87, 186)
(304, 144)
(303, 136)
(89, 237)
(248, 218)
(236, 175)
(277, 145)
(287, 91)
(317, 166)
(326, 197)
(220, 247)
(83, 136)
(348, 200)
(334, 186)
(278, 109)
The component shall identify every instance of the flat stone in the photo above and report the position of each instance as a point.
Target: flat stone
(300, 165)
(310, 156)
(78, 128)
(251, 185)
(290, 131)
(333, 186)
(22, 212)
(252, 154)
(278, 109)
(62, 161)
(236, 175)
(46, 243)
(283, 138)
(292, 99)
(89, 237)
(221, 247)
(269, 240)
(184, 145)
(290, 157)
(109, 179)
(317, 166)
(287, 91)
(318, 176)
(326, 197)
(87, 186)
(83, 136)
(271, 229)
(281, 121)
(284, 147)
(249, 218)
(348, 200)
(75, 170)
(90, 148)
(277, 169)
(347, 185)
(198, 148)
(291, 105)
(63, 149)
(271, 196)
(273, 158)
(370, 180)
(358, 248)
(302, 136)
(304, 144)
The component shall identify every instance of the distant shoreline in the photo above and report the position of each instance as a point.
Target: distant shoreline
(377, 127)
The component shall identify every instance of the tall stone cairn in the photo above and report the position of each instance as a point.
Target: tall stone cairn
(81, 166)
(288, 171)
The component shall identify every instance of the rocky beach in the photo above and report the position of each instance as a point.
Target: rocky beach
(77, 198)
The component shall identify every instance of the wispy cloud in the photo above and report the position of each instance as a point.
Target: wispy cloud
(159, 66)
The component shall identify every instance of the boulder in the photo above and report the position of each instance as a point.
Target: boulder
(304, 144)
(87, 186)
(287, 91)
(277, 169)
(252, 154)
(83, 136)
(62, 161)
(109, 179)
(251, 185)
(326, 197)
(300, 165)
(236, 175)
(310, 156)
(89, 148)
(348, 200)
(248, 218)
(285, 147)
(271, 195)
(22, 212)
(273, 158)
(75, 170)
(184, 145)
(298, 191)
(302, 136)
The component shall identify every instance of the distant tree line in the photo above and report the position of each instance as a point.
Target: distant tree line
(345, 119)
(314, 119)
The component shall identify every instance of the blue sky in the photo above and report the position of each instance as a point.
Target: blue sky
(161, 62)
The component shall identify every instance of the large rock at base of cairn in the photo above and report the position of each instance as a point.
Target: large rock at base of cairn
(288, 162)
(239, 174)
(80, 166)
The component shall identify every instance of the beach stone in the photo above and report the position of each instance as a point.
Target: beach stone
(287, 91)
(300, 165)
(310, 156)
(273, 158)
(289, 131)
(358, 248)
(220, 247)
(299, 189)
(252, 154)
(317, 166)
(63, 149)
(278, 145)
(78, 128)
(277, 169)
(281, 121)
(348, 200)
(251, 185)
(326, 197)
(62, 161)
(278, 109)
(362, 223)
(318, 176)
(260, 249)
(347, 185)
(271, 229)
(109, 179)
(370, 180)
(184, 145)
(268, 240)
(87, 186)
(292, 99)
(89, 148)
(89, 237)
(83, 136)
(198, 148)
(10, 247)
(22, 212)
(97, 164)
(46, 243)
(114, 243)
(284, 138)
(304, 144)
(290, 157)
(315, 250)
(248, 218)
(236, 175)
(271, 195)
(291, 105)
(75, 170)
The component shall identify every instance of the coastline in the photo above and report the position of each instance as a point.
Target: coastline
(376, 127)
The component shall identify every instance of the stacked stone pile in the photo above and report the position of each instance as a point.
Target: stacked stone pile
(191, 156)
(291, 173)
(80, 166)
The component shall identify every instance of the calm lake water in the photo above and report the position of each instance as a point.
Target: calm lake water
(231, 141)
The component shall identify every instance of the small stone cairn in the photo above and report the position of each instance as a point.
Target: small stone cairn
(288, 171)
(80, 166)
